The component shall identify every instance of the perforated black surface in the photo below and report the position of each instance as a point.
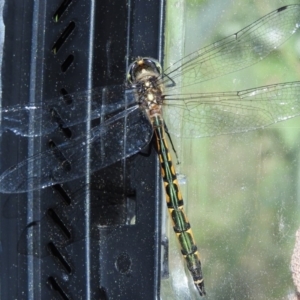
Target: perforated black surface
(58, 47)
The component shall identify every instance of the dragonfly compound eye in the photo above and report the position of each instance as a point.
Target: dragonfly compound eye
(143, 65)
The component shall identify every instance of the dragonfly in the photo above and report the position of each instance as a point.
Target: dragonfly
(138, 116)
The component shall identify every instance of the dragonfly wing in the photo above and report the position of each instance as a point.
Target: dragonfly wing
(120, 136)
(238, 51)
(64, 111)
(201, 115)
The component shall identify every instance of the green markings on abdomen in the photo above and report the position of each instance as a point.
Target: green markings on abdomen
(174, 200)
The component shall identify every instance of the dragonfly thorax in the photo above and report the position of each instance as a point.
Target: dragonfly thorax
(144, 75)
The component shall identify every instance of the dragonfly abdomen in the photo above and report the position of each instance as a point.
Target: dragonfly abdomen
(174, 200)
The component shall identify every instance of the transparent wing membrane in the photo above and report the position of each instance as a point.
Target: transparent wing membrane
(238, 51)
(211, 114)
(126, 114)
(191, 115)
(121, 136)
(64, 111)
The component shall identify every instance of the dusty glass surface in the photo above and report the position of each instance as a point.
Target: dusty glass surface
(242, 190)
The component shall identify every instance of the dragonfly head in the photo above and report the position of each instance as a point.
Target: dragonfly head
(143, 67)
(144, 74)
